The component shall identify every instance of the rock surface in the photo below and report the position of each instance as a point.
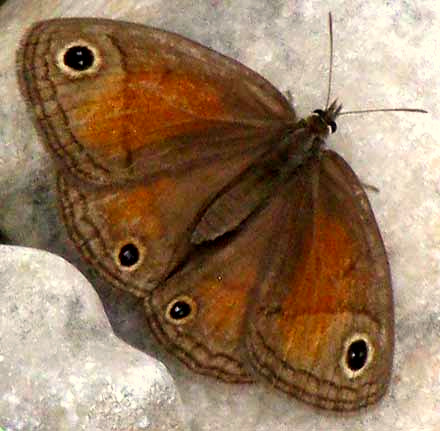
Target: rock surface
(385, 55)
(62, 367)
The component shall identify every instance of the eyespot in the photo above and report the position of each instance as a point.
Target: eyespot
(129, 255)
(181, 310)
(333, 126)
(357, 355)
(78, 59)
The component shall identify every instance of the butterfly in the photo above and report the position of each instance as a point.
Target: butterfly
(188, 180)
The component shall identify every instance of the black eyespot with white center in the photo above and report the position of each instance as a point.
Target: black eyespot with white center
(128, 255)
(181, 310)
(78, 59)
(357, 355)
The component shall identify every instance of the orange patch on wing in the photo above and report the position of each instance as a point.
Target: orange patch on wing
(325, 282)
(134, 210)
(142, 109)
(223, 305)
(310, 337)
(305, 327)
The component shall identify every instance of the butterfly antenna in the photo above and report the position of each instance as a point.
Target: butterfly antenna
(364, 111)
(330, 71)
(330, 79)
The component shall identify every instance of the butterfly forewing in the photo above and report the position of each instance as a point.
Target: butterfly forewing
(149, 103)
(147, 128)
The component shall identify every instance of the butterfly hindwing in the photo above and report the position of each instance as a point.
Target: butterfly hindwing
(218, 282)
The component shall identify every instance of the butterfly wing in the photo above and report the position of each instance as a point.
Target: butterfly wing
(250, 191)
(143, 101)
(321, 325)
(213, 290)
(135, 234)
(146, 129)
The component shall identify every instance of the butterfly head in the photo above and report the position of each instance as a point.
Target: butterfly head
(323, 121)
(312, 132)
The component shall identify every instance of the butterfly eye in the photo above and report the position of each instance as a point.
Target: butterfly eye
(319, 112)
(181, 310)
(78, 59)
(333, 126)
(358, 354)
(129, 256)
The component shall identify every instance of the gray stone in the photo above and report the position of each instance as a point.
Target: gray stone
(386, 54)
(62, 367)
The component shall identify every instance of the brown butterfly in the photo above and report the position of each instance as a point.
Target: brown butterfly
(186, 178)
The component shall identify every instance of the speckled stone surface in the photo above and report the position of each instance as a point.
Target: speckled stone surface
(386, 54)
(62, 367)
